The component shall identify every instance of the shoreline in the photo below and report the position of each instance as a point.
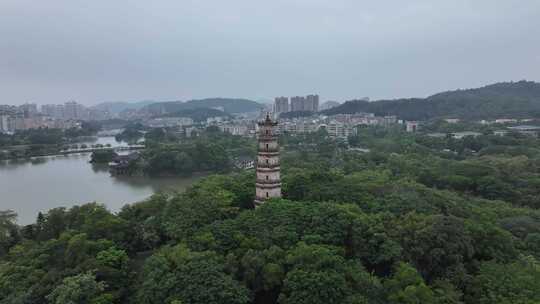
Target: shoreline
(79, 151)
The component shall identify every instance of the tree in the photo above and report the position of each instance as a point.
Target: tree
(514, 283)
(145, 220)
(314, 287)
(102, 156)
(176, 273)
(205, 203)
(263, 271)
(446, 293)
(438, 246)
(80, 289)
(114, 269)
(407, 287)
(532, 241)
(319, 274)
(9, 233)
(51, 224)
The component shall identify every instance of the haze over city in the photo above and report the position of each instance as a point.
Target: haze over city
(96, 51)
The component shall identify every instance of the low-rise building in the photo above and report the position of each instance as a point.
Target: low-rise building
(437, 135)
(214, 120)
(337, 129)
(244, 163)
(164, 122)
(506, 120)
(461, 135)
(526, 130)
(241, 130)
(123, 164)
(412, 126)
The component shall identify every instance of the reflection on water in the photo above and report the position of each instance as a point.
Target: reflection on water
(38, 160)
(100, 168)
(42, 183)
(104, 141)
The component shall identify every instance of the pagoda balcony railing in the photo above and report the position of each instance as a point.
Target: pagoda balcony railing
(267, 170)
(266, 138)
(259, 200)
(269, 150)
(269, 166)
(268, 185)
(268, 181)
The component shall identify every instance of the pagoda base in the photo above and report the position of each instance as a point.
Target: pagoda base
(257, 203)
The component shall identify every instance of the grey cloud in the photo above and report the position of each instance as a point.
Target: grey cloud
(52, 51)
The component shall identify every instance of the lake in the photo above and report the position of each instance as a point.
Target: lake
(42, 183)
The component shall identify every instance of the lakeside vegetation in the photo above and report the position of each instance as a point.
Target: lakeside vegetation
(132, 133)
(210, 151)
(104, 156)
(415, 220)
(44, 141)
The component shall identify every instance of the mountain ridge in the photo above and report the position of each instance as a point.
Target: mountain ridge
(229, 105)
(197, 114)
(499, 100)
(115, 107)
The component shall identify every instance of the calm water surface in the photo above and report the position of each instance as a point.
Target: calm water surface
(39, 184)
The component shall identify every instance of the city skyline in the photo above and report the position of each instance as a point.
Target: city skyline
(173, 50)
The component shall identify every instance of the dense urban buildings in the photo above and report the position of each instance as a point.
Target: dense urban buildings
(164, 122)
(62, 116)
(71, 115)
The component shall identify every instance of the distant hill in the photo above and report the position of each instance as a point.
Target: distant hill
(199, 114)
(116, 107)
(229, 105)
(501, 100)
(265, 101)
(329, 104)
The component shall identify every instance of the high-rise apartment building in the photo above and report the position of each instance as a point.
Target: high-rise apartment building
(52, 110)
(28, 109)
(60, 111)
(73, 110)
(309, 103)
(281, 104)
(297, 103)
(312, 103)
(70, 110)
(5, 123)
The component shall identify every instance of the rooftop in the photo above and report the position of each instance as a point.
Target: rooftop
(268, 121)
(525, 128)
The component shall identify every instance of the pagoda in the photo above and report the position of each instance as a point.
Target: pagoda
(268, 183)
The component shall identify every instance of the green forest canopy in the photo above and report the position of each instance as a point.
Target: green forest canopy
(408, 222)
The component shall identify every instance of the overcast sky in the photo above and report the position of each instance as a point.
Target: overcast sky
(104, 50)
